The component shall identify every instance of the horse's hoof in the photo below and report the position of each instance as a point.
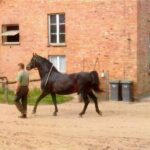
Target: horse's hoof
(33, 112)
(100, 113)
(80, 115)
(54, 114)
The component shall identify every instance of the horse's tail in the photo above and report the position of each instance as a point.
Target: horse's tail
(95, 81)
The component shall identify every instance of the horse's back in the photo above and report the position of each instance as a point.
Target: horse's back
(69, 83)
(63, 83)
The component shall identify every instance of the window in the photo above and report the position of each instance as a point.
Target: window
(10, 34)
(59, 62)
(57, 29)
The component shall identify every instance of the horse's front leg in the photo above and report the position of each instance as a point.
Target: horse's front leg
(43, 94)
(55, 104)
(86, 102)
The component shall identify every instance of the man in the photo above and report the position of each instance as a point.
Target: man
(22, 90)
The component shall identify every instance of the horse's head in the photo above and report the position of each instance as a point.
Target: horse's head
(33, 62)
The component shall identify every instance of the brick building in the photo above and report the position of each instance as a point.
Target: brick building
(73, 33)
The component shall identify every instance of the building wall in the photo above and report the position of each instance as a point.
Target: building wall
(94, 28)
(143, 47)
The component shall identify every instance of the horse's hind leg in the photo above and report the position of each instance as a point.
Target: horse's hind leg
(86, 102)
(55, 104)
(94, 98)
(43, 94)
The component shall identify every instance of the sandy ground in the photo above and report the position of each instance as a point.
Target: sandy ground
(123, 126)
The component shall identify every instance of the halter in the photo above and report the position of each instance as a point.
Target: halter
(49, 74)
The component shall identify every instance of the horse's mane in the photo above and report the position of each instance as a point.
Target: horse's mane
(46, 61)
(42, 59)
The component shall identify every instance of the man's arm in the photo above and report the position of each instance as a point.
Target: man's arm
(19, 76)
(17, 86)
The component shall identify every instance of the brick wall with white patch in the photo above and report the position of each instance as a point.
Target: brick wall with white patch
(104, 29)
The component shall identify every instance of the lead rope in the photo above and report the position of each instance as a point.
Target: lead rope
(48, 75)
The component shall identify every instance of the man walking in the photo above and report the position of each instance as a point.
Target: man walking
(22, 90)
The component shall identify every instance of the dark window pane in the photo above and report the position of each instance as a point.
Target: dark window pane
(53, 38)
(13, 38)
(62, 38)
(53, 28)
(62, 28)
(62, 18)
(12, 28)
(53, 18)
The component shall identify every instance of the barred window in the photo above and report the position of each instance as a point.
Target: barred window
(10, 34)
(59, 62)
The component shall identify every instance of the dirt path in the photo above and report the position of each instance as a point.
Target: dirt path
(123, 126)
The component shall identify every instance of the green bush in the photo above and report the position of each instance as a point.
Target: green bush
(33, 95)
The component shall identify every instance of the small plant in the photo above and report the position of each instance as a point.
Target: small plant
(33, 95)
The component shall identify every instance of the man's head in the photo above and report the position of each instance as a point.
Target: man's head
(20, 66)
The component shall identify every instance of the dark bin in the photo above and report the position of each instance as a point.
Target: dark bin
(115, 90)
(126, 87)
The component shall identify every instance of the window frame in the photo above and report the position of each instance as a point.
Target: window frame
(58, 43)
(2, 31)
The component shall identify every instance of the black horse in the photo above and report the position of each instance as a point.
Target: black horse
(53, 82)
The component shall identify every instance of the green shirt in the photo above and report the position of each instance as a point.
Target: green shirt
(23, 78)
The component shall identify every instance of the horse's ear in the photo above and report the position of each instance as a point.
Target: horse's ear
(36, 54)
(33, 54)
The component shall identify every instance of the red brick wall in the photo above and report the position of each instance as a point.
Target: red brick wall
(105, 27)
(143, 46)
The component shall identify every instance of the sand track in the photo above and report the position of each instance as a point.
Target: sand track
(123, 126)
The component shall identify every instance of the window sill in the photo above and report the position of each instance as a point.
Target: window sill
(11, 43)
(57, 45)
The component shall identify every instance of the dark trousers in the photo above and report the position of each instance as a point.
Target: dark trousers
(21, 99)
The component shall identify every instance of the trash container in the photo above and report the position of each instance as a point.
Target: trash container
(126, 87)
(115, 90)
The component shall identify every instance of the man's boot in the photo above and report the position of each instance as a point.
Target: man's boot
(21, 109)
(19, 106)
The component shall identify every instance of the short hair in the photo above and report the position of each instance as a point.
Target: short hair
(21, 65)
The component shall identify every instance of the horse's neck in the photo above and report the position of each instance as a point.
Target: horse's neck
(43, 70)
